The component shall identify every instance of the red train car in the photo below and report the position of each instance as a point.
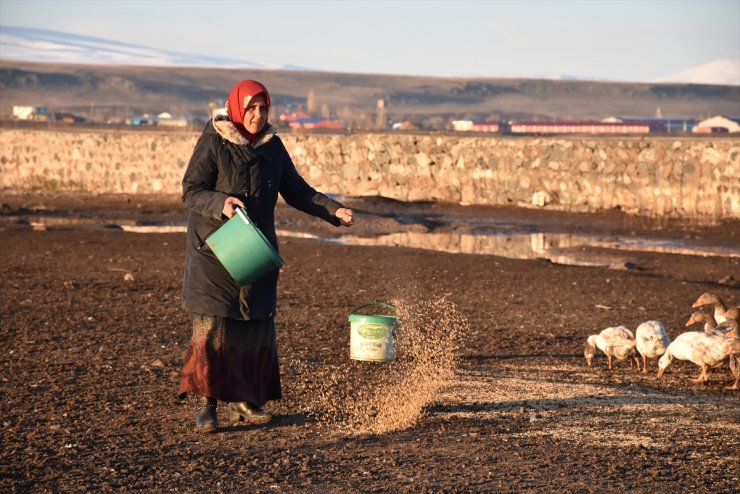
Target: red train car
(580, 127)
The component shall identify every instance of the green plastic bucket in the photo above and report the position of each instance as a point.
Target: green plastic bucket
(372, 336)
(243, 249)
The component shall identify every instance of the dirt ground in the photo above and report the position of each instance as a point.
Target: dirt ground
(93, 337)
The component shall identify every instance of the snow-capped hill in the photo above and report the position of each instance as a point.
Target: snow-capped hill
(724, 72)
(42, 45)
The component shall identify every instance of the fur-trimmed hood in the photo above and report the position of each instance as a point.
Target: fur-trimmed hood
(228, 131)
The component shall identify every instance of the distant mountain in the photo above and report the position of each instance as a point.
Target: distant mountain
(724, 72)
(23, 44)
(42, 45)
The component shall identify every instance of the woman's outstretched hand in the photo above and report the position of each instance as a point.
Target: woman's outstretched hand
(230, 205)
(345, 216)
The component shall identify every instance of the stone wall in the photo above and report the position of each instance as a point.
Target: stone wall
(686, 177)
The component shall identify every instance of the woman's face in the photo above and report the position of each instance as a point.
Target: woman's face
(255, 117)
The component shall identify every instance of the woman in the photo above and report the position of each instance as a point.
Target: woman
(238, 161)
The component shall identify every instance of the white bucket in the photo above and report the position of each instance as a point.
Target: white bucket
(372, 336)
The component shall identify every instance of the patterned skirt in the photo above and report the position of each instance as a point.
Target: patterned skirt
(232, 361)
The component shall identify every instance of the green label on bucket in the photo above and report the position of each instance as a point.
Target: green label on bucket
(373, 331)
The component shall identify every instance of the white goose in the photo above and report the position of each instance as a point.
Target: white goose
(617, 342)
(651, 341)
(704, 349)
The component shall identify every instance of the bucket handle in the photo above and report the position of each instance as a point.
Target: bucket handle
(203, 245)
(375, 304)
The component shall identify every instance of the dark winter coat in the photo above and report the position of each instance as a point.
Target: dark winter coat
(225, 164)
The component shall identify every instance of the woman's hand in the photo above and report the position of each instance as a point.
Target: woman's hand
(230, 205)
(345, 216)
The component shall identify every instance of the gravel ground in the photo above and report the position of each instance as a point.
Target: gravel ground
(93, 337)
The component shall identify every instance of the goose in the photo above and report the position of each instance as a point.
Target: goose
(709, 325)
(651, 341)
(617, 342)
(732, 350)
(732, 314)
(702, 317)
(729, 327)
(720, 308)
(733, 347)
(704, 349)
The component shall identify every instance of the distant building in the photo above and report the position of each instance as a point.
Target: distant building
(662, 124)
(471, 126)
(292, 117)
(462, 125)
(314, 123)
(717, 124)
(405, 125)
(486, 127)
(32, 112)
(166, 119)
(67, 117)
(145, 119)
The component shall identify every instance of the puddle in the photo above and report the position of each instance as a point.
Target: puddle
(50, 222)
(155, 228)
(504, 240)
(533, 245)
(562, 248)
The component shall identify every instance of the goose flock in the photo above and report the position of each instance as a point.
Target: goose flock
(717, 343)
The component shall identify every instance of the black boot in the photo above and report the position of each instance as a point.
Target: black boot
(249, 413)
(206, 419)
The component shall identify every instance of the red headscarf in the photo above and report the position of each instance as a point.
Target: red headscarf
(237, 102)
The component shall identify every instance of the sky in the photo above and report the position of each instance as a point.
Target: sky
(627, 40)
